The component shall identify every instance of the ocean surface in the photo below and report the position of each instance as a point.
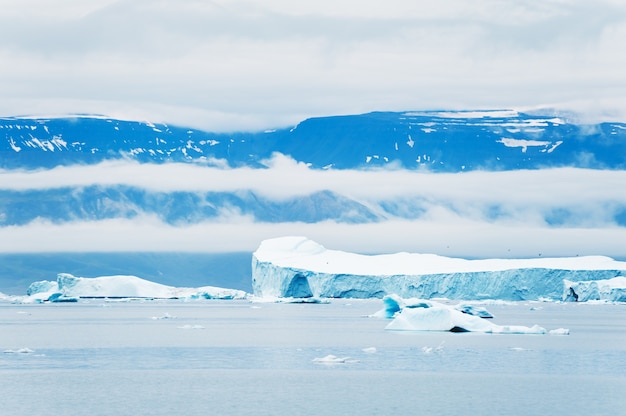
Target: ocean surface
(98, 357)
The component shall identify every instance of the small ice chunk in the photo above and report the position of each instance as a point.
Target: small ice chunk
(430, 350)
(164, 316)
(191, 327)
(19, 351)
(517, 329)
(333, 359)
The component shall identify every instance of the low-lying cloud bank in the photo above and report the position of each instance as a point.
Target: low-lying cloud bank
(555, 212)
(463, 238)
(285, 178)
(566, 197)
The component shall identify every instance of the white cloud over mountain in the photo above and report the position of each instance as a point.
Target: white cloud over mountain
(515, 213)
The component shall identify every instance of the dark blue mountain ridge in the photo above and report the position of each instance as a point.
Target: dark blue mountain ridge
(97, 202)
(438, 141)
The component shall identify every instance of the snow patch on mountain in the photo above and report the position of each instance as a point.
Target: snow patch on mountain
(524, 144)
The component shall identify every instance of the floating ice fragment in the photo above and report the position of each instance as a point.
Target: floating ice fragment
(164, 316)
(559, 331)
(369, 350)
(191, 327)
(430, 350)
(394, 304)
(435, 316)
(19, 351)
(517, 329)
(301, 300)
(333, 359)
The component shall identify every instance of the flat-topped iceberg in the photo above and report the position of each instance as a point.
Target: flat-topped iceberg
(299, 267)
(69, 288)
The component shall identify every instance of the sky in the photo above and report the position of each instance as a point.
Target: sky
(235, 65)
(229, 65)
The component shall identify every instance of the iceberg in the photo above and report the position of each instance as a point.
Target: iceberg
(439, 317)
(427, 315)
(333, 359)
(24, 350)
(297, 267)
(69, 288)
(610, 290)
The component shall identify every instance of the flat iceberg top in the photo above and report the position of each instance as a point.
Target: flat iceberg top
(302, 253)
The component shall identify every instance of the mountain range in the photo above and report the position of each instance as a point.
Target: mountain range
(420, 141)
(436, 141)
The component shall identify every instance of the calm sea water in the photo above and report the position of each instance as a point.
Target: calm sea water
(243, 358)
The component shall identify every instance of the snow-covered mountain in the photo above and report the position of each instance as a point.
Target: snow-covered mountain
(438, 141)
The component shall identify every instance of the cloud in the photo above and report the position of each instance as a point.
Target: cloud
(284, 178)
(459, 237)
(473, 214)
(239, 65)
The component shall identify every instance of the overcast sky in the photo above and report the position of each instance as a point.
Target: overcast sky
(238, 64)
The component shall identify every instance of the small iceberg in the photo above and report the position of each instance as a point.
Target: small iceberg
(332, 359)
(421, 315)
(69, 288)
(164, 316)
(187, 326)
(19, 351)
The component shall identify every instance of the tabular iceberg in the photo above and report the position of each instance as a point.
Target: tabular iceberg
(298, 267)
(69, 288)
